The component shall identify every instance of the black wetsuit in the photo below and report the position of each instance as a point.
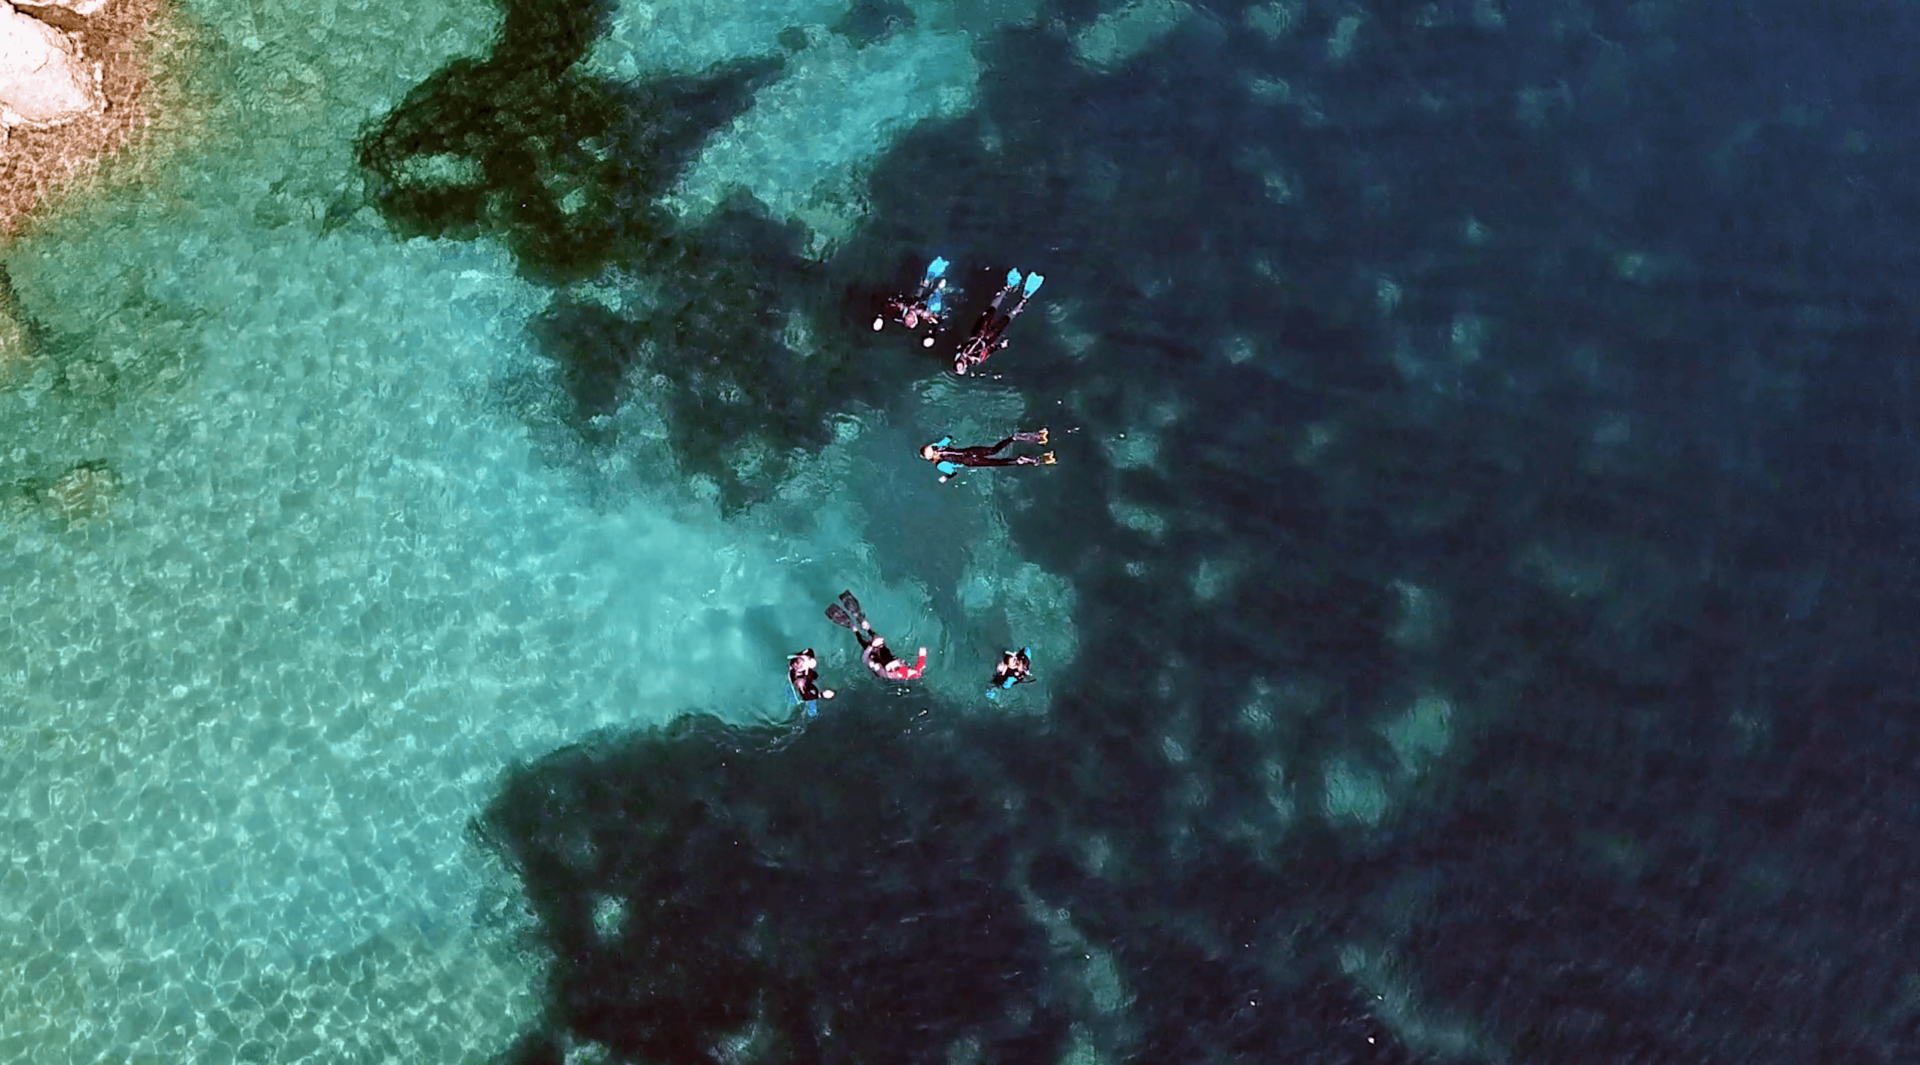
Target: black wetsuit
(1013, 669)
(806, 683)
(981, 456)
(875, 656)
(983, 341)
(896, 308)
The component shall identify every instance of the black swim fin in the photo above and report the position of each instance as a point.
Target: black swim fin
(852, 607)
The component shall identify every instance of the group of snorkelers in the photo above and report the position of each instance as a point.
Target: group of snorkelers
(924, 312)
(803, 667)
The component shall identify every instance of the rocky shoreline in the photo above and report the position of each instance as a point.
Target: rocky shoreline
(72, 88)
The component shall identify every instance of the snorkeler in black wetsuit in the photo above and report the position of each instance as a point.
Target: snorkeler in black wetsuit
(1016, 667)
(803, 672)
(988, 332)
(923, 308)
(949, 459)
(874, 652)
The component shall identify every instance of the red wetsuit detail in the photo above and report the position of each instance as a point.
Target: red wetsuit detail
(899, 670)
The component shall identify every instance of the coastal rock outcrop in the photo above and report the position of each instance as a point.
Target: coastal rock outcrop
(44, 81)
(73, 90)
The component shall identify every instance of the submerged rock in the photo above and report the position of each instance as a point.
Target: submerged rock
(72, 498)
(13, 334)
(44, 81)
(83, 492)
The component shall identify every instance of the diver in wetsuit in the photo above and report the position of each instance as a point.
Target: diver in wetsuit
(874, 653)
(988, 332)
(949, 459)
(923, 308)
(1016, 667)
(803, 672)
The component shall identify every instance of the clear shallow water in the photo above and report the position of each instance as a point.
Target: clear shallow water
(265, 661)
(1473, 570)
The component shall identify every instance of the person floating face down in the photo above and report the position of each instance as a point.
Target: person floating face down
(1016, 667)
(874, 652)
(803, 672)
(923, 309)
(988, 333)
(949, 459)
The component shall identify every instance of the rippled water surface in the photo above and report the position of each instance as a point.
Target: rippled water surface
(1469, 608)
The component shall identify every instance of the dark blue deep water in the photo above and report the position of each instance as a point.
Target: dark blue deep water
(1546, 364)
(1592, 323)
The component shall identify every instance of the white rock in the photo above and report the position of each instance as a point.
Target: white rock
(84, 8)
(42, 79)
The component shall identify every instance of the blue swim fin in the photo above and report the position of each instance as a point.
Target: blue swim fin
(809, 707)
(937, 267)
(933, 301)
(1013, 278)
(1033, 283)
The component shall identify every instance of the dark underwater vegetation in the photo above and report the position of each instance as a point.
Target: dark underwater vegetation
(1590, 324)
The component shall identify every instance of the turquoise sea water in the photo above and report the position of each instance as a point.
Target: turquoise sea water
(312, 585)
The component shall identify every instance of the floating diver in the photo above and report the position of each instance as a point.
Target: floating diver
(987, 336)
(803, 674)
(1016, 667)
(874, 653)
(949, 459)
(923, 308)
